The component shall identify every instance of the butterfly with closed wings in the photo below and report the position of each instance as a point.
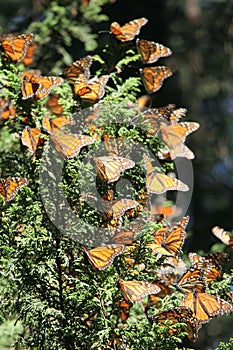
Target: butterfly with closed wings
(159, 183)
(223, 235)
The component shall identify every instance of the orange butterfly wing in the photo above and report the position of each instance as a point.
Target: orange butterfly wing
(81, 66)
(128, 31)
(15, 46)
(90, 90)
(28, 59)
(213, 261)
(194, 278)
(69, 145)
(159, 183)
(31, 138)
(175, 134)
(136, 291)
(205, 306)
(54, 105)
(150, 51)
(153, 77)
(179, 151)
(179, 314)
(121, 206)
(223, 235)
(169, 240)
(102, 257)
(109, 168)
(9, 187)
(34, 85)
(7, 109)
(56, 125)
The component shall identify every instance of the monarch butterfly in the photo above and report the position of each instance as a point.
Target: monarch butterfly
(117, 146)
(129, 30)
(223, 235)
(179, 151)
(69, 145)
(175, 134)
(205, 306)
(124, 309)
(56, 125)
(178, 314)
(144, 101)
(54, 105)
(166, 210)
(125, 236)
(116, 209)
(171, 269)
(90, 90)
(31, 138)
(160, 183)
(153, 77)
(15, 46)
(194, 278)
(102, 257)
(35, 85)
(109, 168)
(28, 59)
(9, 187)
(214, 262)
(150, 51)
(169, 239)
(7, 109)
(136, 291)
(81, 66)
(166, 115)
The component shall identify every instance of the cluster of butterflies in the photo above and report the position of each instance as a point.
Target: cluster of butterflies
(197, 306)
